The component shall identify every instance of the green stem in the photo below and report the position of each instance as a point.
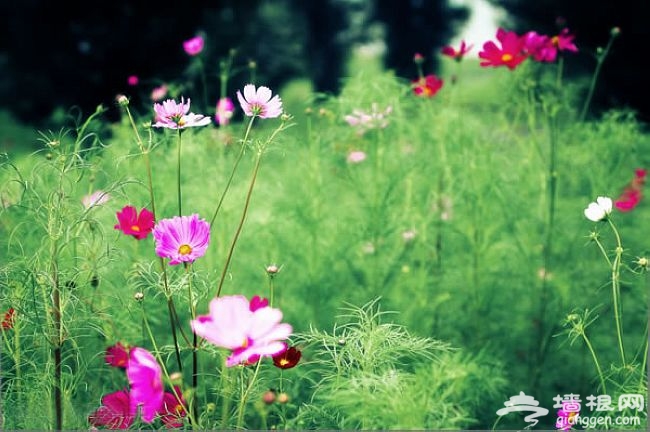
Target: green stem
(178, 175)
(593, 356)
(616, 267)
(234, 169)
(600, 58)
(195, 359)
(244, 397)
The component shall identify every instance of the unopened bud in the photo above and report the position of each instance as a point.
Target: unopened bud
(269, 397)
(272, 270)
(176, 377)
(283, 398)
(615, 31)
(138, 296)
(122, 100)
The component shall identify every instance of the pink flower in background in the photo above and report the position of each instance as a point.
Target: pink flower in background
(259, 102)
(159, 93)
(248, 334)
(194, 46)
(540, 47)
(145, 377)
(173, 115)
(356, 156)
(134, 224)
(564, 41)
(132, 80)
(225, 111)
(365, 121)
(96, 198)
(182, 238)
(115, 412)
(172, 411)
(632, 193)
(510, 54)
(117, 355)
(457, 55)
(427, 86)
(258, 302)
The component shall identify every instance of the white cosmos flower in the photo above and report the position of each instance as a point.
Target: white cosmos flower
(599, 210)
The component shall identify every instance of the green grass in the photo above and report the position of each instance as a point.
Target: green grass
(480, 288)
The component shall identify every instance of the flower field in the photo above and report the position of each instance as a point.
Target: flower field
(464, 250)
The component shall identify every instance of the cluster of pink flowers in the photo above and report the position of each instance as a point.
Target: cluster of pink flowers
(515, 49)
(632, 193)
(364, 121)
(146, 394)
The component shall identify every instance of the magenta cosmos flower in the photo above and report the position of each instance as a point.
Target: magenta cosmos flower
(511, 53)
(117, 355)
(225, 110)
(145, 377)
(134, 224)
(172, 410)
(427, 86)
(231, 324)
(114, 413)
(181, 238)
(194, 46)
(259, 102)
(173, 115)
(456, 54)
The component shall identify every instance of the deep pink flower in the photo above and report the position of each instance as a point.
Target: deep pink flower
(193, 46)
(258, 302)
(632, 193)
(540, 47)
(511, 53)
(117, 355)
(134, 224)
(181, 238)
(287, 359)
(173, 115)
(259, 102)
(456, 54)
(225, 111)
(114, 413)
(145, 377)
(564, 41)
(132, 80)
(96, 198)
(427, 86)
(173, 411)
(231, 324)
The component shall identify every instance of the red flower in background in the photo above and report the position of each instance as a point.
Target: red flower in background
(172, 411)
(117, 355)
(114, 412)
(427, 86)
(134, 224)
(8, 320)
(288, 358)
(457, 55)
(632, 193)
(564, 41)
(511, 53)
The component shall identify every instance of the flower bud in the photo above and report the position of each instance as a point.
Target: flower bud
(268, 397)
(122, 100)
(283, 398)
(615, 31)
(138, 296)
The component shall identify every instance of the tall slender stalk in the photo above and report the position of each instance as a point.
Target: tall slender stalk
(600, 59)
(616, 290)
(178, 174)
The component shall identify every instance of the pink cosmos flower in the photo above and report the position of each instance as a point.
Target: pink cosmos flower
(132, 80)
(134, 224)
(564, 41)
(159, 93)
(511, 53)
(427, 86)
(633, 192)
(248, 334)
(172, 411)
(356, 156)
(181, 238)
(117, 355)
(94, 199)
(114, 413)
(173, 115)
(145, 378)
(259, 102)
(194, 46)
(457, 55)
(540, 47)
(225, 111)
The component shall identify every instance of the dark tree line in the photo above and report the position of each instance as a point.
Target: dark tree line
(73, 53)
(623, 80)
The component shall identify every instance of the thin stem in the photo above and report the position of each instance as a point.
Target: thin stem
(244, 397)
(178, 175)
(600, 58)
(593, 356)
(234, 169)
(616, 267)
(195, 359)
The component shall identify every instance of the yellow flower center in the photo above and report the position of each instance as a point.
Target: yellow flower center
(555, 41)
(506, 57)
(284, 362)
(135, 228)
(245, 343)
(185, 249)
